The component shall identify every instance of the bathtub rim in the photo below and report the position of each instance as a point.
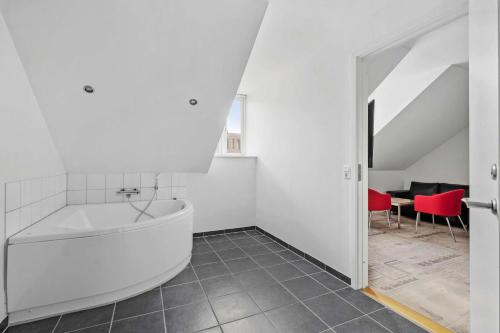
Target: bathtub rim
(134, 226)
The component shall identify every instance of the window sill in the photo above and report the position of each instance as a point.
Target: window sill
(234, 156)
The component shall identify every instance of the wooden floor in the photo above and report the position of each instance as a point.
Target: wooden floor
(427, 272)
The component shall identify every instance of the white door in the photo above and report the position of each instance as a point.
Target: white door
(484, 152)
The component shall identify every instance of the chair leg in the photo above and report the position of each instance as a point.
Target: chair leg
(449, 226)
(369, 220)
(463, 224)
(433, 224)
(417, 221)
(388, 218)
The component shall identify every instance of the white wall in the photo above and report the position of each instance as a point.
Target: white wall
(27, 150)
(223, 198)
(301, 118)
(448, 163)
(386, 180)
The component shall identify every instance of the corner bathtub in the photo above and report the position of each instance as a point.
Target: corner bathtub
(86, 256)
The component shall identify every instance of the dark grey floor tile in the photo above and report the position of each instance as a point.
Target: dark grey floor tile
(204, 258)
(86, 318)
(199, 240)
(258, 277)
(254, 324)
(186, 276)
(231, 254)
(362, 325)
(245, 241)
(254, 233)
(284, 272)
(329, 281)
(233, 307)
(395, 322)
(211, 330)
(241, 265)
(275, 247)
(201, 248)
(190, 318)
(182, 294)
(151, 323)
(271, 296)
(254, 250)
(263, 239)
(306, 266)
(104, 328)
(147, 302)
(221, 285)
(305, 287)
(332, 309)
(290, 256)
(225, 245)
(295, 318)
(39, 326)
(238, 235)
(269, 259)
(216, 238)
(211, 270)
(359, 300)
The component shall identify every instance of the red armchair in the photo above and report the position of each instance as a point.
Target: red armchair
(444, 204)
(378, 202)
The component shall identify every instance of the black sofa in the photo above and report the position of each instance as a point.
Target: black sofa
(419, 188)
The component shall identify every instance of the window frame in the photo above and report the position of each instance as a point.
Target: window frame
(222, 145)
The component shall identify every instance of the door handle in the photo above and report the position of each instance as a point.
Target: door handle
(478, 204)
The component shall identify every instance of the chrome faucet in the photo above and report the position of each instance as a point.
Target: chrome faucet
(128, 192)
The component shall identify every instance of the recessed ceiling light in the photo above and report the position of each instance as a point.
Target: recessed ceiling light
(88, 89)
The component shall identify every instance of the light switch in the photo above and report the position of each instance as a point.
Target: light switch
(347, 172)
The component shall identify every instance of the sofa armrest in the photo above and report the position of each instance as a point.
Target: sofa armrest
(404, 194)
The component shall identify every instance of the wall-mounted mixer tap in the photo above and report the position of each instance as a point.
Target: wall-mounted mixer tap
(128, 192)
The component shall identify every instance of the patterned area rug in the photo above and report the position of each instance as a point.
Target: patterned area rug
(426, 271)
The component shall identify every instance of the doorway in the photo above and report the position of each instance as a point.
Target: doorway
(402, 266)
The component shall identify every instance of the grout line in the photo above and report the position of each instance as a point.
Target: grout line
(163, 309)
(330, 291)
(206, 296)
(112, 318)
(244, 290)
(31, 203)
(85, 328)
(57, 323)
(134, 316)
(293, 295)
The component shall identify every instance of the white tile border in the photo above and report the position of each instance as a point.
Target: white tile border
(36, 199)
(101, 188)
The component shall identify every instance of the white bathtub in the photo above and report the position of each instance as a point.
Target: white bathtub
(86, 256)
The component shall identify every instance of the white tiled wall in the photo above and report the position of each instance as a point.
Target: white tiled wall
(30, 200)
(100, 188)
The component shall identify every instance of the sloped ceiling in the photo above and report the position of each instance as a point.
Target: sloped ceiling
(380, 65)
(146, 59)
(437, 114)
(430, 56)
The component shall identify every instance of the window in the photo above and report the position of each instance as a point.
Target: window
(232, 140)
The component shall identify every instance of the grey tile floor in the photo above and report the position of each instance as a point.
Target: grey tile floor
(237, 283)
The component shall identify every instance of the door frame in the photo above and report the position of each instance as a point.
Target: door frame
(359, 246)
